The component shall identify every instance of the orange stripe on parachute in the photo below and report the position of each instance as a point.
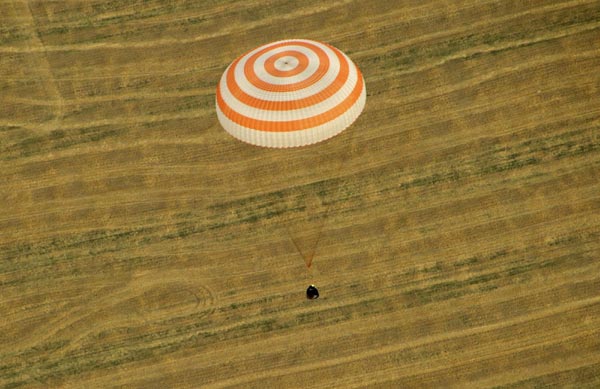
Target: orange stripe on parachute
(292, 125)
(253, 78)
(322, 95)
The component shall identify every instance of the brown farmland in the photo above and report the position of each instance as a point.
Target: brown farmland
(458, 220)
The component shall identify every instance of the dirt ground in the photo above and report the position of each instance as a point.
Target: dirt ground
(458, 219)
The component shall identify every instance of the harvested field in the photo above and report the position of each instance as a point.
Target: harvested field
(456, 224)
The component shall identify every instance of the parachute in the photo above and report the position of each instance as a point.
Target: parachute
(290, 93)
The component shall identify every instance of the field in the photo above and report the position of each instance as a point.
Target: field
(455, 226)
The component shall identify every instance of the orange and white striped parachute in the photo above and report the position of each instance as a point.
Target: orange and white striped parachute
(290, 93)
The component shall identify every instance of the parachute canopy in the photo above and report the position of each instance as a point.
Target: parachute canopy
(290, 93)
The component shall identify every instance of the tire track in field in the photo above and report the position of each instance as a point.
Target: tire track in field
(490, 75)
(143, 296)
(95, 338)
(171, 72)
(421, 39)
(180, 331)
(230, 30)
(437, 376)
(248, 323)
(475, 26)
(218, 10)
(51, 86)
(255, 376)
(396, 289)
(487, 77)
(510, 45)
(132, 304)
(121, 96)
(139, 119)
(390, 186)
(315, 340)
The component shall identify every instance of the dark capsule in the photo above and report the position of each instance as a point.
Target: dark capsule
(312, 292)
